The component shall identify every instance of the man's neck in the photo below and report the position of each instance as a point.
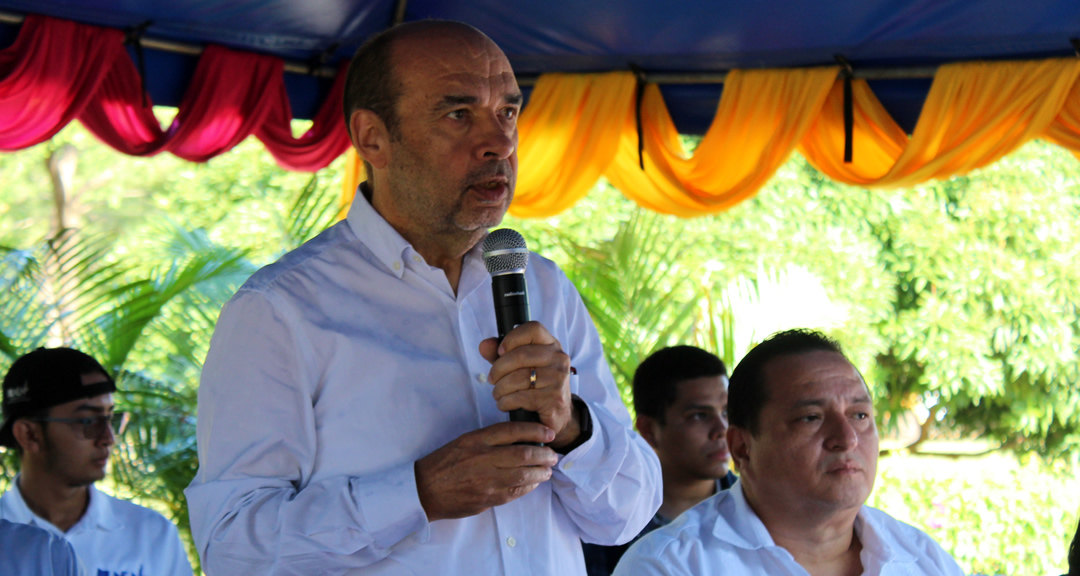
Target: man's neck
(59, 504)
(824, 554)
(445, 251)
(682, 494)
(822, 542)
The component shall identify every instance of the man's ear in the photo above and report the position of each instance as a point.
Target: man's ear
(370, 137)
(29, 435)
(649, 429)
(738, 441)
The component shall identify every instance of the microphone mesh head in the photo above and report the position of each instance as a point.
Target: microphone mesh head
(505, 251)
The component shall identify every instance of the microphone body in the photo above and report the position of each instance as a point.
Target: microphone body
(506, 258)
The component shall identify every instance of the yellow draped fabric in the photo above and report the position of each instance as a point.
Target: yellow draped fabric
(578, 127)
(1065, 131)
(354, 175)
(761, 117)
(568, 135)
(975, 113)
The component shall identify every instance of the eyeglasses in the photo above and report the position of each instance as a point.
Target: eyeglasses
(93, 427)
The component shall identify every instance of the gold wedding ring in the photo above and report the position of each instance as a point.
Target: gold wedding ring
(532, 379)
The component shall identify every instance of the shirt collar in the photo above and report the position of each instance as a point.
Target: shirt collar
(744, 529)
(392, 249)
(13, 507)
(99, 513)
(388, 246)
(876, 544)
(723, 483)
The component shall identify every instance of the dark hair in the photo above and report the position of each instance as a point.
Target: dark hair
(370, 83)
(657, 378)
(747, 392)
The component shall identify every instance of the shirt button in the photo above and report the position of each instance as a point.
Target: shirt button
(416, 258)
(511, 542)
(397, 265)
(568, 465)
(481, 377)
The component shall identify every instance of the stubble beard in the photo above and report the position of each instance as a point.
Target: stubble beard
(421, 190)
(492, 215)
(59, 466)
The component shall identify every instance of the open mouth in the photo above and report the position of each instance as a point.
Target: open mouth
(491, 190)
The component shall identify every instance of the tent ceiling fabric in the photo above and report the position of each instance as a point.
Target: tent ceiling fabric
(604, 35)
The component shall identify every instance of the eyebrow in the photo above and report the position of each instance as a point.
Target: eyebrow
(452, 100)
(693, 407)
(90, 408)
(861, 399)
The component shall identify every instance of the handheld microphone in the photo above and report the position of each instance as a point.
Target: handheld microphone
(506, 256)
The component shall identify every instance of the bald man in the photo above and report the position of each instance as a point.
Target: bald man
(353, 405)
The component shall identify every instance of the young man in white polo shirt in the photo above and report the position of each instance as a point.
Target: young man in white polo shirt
(58, 413)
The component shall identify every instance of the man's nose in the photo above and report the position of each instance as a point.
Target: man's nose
(107, 437)
(842, 436)
(498, 138)
(719, 427)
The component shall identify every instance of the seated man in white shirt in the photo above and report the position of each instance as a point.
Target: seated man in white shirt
(680, 401)
(353, 405)
(803, 438)
(58, 414)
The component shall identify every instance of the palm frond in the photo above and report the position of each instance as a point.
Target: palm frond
(635, 290)
(315, 208)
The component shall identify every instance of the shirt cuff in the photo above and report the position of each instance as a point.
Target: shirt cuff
(581, 410)
(391, 506)
(592, 466)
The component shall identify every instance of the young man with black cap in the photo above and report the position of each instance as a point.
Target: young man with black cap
(59, 416)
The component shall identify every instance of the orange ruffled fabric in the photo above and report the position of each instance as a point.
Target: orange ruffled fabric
(579, 127)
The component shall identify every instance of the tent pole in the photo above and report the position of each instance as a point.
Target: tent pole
(399, 12)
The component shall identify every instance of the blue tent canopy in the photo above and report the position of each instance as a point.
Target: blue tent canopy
(661, 37)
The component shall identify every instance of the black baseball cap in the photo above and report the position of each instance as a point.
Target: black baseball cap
(48, 377)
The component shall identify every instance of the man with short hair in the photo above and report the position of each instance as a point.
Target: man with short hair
(352, 407)
(680, 399)
(59, 415)
(803, 438)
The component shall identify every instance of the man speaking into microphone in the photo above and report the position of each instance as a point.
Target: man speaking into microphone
(353, 405)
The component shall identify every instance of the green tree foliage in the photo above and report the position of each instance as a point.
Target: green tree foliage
(954, 298)
(161, 245)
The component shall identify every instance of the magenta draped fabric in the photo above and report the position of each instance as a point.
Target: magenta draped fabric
(58, 70)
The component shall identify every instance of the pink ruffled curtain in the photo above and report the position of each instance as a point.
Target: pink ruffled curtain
(59, 70)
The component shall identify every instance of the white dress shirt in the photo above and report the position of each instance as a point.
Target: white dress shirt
(723, 535)
(29, 551)
(334, 369)
(113, 537)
